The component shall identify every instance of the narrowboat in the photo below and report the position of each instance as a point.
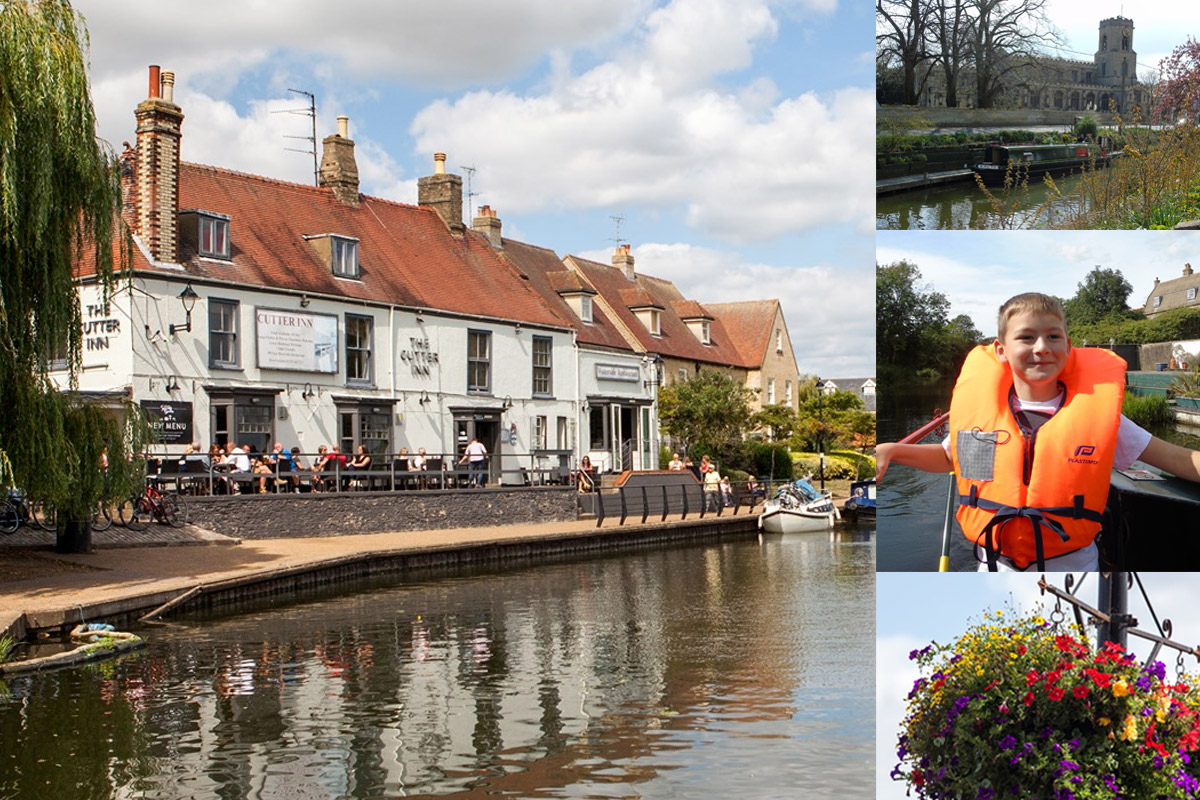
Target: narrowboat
(1037, 159)
(862, 499)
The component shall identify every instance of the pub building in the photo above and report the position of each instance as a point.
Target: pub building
(262, 311)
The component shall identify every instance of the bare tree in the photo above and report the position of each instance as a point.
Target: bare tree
(1007, 35)
(949, 26)
(901, 33)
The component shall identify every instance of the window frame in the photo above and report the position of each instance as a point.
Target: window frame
(770, 391)
(586, 312)
(365, 354)
(216, 304)
(1157, 300)
(1191, 293)
(655, 326)
(476, 362)
(546, 370)
(215, 224)
(339, 247)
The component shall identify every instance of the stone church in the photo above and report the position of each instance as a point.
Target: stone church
(1109, 81)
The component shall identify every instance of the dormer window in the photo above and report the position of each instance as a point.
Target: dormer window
(345, 257)
(206, 231)
(706, 332)
(655, 326)
(340, 253)
(1191, 293)
(585, 309)
(1157, 300)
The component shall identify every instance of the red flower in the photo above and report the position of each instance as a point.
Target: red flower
(1081, 692)
(1031, 677)
(1064, 643)
(1056, 693)
(1101, 679)
(918, 777)
(1021, 649)
(990, 685)
(1029, 698)
(1052, 677)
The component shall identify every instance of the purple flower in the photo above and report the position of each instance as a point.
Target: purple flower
(1068, 764)
(1156, 668)
(1074, 744)
(1008, 742)
(985, 793)
(917, 684)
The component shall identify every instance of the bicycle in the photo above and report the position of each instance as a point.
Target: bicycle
(15, 511)
(136, 513)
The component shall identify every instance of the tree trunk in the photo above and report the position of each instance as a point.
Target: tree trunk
(74, 536)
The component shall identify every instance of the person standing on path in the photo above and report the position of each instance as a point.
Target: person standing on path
(475, 456)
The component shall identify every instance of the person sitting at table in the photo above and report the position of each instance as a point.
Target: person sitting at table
(320, 464)
(587, 475)
(418, 463)
(360, 463)
(676, 463)
(263, 469)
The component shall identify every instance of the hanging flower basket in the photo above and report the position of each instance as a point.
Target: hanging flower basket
(1019, 708)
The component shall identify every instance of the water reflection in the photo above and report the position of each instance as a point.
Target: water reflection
(964, 206)
(745, 667)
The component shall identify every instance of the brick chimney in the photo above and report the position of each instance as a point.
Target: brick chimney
(339, 171)
(155, 202)
(443, 193)
(623, 260)
(1187, 270)
(488, 224)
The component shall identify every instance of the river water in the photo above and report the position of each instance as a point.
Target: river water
(739, 669)
(963, 206)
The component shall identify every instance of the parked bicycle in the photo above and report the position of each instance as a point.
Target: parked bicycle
(136, 513)
(16, 510)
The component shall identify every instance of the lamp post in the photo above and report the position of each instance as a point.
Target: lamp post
(188, 297)
(821, 434)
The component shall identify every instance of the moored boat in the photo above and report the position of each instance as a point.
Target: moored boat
(1037, 159)
(797, 508)
(862, 499)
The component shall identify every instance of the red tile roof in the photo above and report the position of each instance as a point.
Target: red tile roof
(749, 324)
(548, 275)
(677, 340)
(406, 254)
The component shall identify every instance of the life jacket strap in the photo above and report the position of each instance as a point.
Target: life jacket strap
(1005, 514)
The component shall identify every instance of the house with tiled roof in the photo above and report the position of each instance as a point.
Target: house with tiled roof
(617, 383)
(759, 331)
(863, 387)
(1181, 292)
(264, 311)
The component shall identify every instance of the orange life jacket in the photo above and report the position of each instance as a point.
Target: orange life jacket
(1034, 494)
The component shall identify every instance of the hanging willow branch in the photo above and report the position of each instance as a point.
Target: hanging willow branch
(59, 203)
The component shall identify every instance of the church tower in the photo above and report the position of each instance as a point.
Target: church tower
(1116, 62)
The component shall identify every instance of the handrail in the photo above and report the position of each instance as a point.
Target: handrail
(926, 429)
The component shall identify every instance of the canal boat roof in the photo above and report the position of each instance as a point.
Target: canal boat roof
(1041, 152)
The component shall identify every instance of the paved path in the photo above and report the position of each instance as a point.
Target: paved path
(39, 583)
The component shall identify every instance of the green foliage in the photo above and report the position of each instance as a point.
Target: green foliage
(6, 646)
(913, 328)
(836, 467)
(1086, 127)
(708, 411)
(1148, 410)
(1102, 294)
(1186, 384)
(766, 459)
(1178, 324)
(779, 420)
(864, 465)
(59, 200)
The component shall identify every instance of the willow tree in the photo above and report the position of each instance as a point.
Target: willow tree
(59, 203)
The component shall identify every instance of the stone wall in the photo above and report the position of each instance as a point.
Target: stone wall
(988, 117)
(338, 514)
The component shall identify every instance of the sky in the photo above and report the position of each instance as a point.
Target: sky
(913, 609)
(728, 135)
(979, 270)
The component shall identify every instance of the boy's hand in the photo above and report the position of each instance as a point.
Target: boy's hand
(883, 457)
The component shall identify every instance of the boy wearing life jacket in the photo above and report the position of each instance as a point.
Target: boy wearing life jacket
(1035, 430)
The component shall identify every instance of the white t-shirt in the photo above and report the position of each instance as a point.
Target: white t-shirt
(1131, 443)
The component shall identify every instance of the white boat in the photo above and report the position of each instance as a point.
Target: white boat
(797, 508)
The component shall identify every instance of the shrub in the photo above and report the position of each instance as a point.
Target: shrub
(1086, 127)
(836, 467)
(864, 465)
(1147, 410)
(756, 459)
(1022, 709)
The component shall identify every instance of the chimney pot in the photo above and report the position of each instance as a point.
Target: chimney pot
(442, 192)
(339, 170)
(439, 163)
(489, 225)
(1187, 269)
(155, 81)
(343, 126)
(168, 87)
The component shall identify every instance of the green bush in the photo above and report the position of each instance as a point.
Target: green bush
(756, 459)
(864, 465)
(836, 467)
(1086, 127)
(1147, 410)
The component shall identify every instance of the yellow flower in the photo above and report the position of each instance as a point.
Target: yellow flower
(1103, 722)
(1130, 732)
(1120, 688)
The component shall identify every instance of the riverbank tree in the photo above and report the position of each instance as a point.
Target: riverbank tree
(1101, 295)
(1179, 85)
(59, 203)
(914, 331)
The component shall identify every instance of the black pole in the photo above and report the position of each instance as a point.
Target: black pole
(1113, 600)
(820, 435)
